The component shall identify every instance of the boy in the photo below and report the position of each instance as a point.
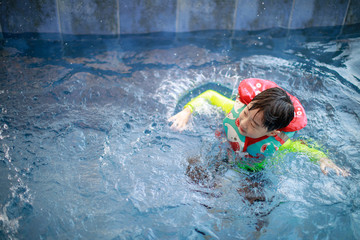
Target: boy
(259, 122)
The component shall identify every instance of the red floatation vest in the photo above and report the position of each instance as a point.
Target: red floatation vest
(266, 145)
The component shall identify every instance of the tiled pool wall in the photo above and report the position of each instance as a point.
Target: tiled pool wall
(116, 17)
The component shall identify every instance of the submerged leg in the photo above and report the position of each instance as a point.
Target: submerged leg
(200, 174)
(252, 191)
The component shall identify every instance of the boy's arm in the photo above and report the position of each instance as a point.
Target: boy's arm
(314, 155)
(214, 98)
(298, 146)
(181, 119)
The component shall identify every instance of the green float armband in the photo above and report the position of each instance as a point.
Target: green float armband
(298, 146)
(214, 98)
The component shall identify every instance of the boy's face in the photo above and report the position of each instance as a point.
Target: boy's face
(251, 123)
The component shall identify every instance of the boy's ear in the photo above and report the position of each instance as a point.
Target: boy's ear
(273, 133)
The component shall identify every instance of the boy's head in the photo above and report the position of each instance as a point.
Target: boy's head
(269, 111)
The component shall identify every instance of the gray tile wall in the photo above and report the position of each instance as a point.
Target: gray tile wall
(256, 15)
(143, 16)
(114, 17)
(205, 15)
(317, 13)
(353, 13)
(87, 17)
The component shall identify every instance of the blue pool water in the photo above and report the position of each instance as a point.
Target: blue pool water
(86, 151)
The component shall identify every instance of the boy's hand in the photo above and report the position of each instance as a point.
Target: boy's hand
(180, 120)
(327, 163)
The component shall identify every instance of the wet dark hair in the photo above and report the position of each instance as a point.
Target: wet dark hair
(277, 108)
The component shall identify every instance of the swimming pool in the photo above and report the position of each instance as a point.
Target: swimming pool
(86, 151)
